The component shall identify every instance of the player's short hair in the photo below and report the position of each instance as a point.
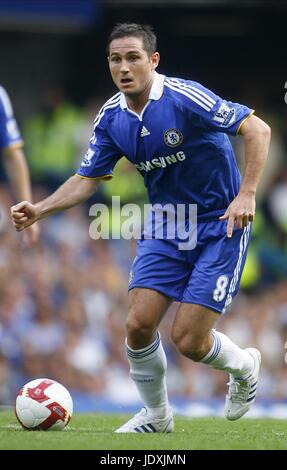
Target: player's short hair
(145, 32)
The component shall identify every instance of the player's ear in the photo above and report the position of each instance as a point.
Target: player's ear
(155, 57)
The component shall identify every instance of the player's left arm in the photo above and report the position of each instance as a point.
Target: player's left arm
(256, 134)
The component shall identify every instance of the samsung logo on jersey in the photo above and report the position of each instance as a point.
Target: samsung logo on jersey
(160, 162)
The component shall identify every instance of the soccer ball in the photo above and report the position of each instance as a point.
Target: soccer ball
(43, 404)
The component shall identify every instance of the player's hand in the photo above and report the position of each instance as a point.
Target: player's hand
(23, 215)
(241, 211)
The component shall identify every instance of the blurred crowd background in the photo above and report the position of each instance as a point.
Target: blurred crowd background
(64, 302)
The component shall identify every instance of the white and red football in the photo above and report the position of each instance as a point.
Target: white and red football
(43, 404)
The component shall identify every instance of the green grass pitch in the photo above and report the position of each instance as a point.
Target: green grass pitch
(95, 431)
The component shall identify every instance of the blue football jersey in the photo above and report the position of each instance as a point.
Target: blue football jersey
(9, 132)
(179, 144)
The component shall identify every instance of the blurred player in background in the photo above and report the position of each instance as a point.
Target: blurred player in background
(14, 159)
(174, 131)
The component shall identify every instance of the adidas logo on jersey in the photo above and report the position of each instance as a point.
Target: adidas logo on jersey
(144, 132)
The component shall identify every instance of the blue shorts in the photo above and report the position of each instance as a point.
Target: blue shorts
(207, 275)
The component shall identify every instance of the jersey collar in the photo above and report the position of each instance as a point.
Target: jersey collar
(156, 90)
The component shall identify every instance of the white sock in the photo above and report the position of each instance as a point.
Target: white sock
(148, 371)
(226, 355)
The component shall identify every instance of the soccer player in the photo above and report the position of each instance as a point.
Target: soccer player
(174, 131)
(13, 157)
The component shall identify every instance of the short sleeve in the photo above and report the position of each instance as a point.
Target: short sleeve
(209, 111)
(101, 156)
(9, 131)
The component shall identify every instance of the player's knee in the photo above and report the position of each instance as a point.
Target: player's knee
(138, 328)
(193, 347)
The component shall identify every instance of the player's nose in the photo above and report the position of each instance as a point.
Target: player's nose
(124, 67)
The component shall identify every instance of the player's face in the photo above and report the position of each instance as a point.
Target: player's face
(131, 67)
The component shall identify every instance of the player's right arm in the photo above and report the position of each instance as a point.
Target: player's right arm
(74, 191)
(97, 164)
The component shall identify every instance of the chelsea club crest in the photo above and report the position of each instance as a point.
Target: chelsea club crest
(173, 137)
